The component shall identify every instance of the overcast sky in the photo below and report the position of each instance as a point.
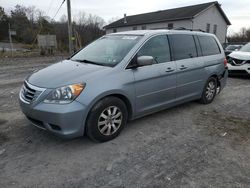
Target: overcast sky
(238, 11)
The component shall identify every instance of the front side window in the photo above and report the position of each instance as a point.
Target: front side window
(183, 46)
(208, 45)
(158, 48)
(108, 50)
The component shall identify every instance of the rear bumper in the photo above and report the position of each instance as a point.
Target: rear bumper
(239, 70)
(223, 79)
(66, 121)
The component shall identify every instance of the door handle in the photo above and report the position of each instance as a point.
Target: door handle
(169, 69)
(183, 67)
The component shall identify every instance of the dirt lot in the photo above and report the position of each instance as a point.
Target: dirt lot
(191, 145)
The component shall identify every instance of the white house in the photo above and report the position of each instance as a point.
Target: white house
(208, 17)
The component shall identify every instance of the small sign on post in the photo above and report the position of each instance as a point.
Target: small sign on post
(12, 32)
(47, 43)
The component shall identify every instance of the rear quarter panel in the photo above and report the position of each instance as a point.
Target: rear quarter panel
(214, 64)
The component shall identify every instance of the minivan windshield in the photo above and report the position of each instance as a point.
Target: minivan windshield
(108, 50)
(246, 48)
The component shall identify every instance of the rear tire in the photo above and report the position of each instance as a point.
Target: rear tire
(106, 119)
(209, 91)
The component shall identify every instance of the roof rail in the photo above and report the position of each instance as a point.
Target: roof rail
(183, 28)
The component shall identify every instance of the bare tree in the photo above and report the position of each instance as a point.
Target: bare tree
(242, 36)
(30, 21)
(80, 18)
(30, 13)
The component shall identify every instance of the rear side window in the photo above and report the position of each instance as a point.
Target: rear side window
(183, 46)
(209, 45)
(158, 48)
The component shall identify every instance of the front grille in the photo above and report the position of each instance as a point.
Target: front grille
(30, 93)
(236, 62)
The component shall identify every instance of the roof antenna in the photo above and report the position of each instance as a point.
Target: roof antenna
(125, 19)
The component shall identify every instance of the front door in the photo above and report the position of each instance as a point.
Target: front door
(155, 85)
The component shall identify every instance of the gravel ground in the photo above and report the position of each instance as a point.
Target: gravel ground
(191, 145)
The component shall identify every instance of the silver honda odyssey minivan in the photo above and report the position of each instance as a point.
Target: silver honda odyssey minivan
(123, 76)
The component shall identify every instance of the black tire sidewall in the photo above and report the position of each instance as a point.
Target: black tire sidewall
(92, 121)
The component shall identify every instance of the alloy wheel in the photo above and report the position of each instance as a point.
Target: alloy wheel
(110, 120)
(210, 90)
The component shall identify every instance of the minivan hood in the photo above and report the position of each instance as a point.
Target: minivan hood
(63, 73)
(240, 55)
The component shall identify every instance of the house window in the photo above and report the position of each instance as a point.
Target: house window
(114, 30)
(208, 28)
(143, 27)
(135, 28)
(170, 26)
(215, 29)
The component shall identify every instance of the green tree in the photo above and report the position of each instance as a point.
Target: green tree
(4, 19)
(45, 26)
(21, 24)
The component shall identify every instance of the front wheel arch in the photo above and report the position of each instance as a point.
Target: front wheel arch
(92, 119)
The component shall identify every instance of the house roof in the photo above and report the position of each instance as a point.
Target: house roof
(181, 13)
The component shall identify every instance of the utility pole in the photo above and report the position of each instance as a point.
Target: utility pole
(11, 45)
(69, 27)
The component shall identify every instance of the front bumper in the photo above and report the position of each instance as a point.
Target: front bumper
(67, 121)
(239, 70)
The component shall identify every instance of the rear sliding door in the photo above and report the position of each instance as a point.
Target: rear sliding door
(190, 66)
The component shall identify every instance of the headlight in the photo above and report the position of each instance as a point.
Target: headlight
(64, 95)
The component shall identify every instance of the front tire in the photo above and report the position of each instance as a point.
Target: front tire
(106, 119)
(209, 91)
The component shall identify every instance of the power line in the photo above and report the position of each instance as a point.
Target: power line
(58, 10)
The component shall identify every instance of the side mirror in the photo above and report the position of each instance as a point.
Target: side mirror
(145, 60)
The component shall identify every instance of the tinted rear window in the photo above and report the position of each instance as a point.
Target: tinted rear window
(183, 46)
(209, 45)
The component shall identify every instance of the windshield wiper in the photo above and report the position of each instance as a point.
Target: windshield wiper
(89, 62)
